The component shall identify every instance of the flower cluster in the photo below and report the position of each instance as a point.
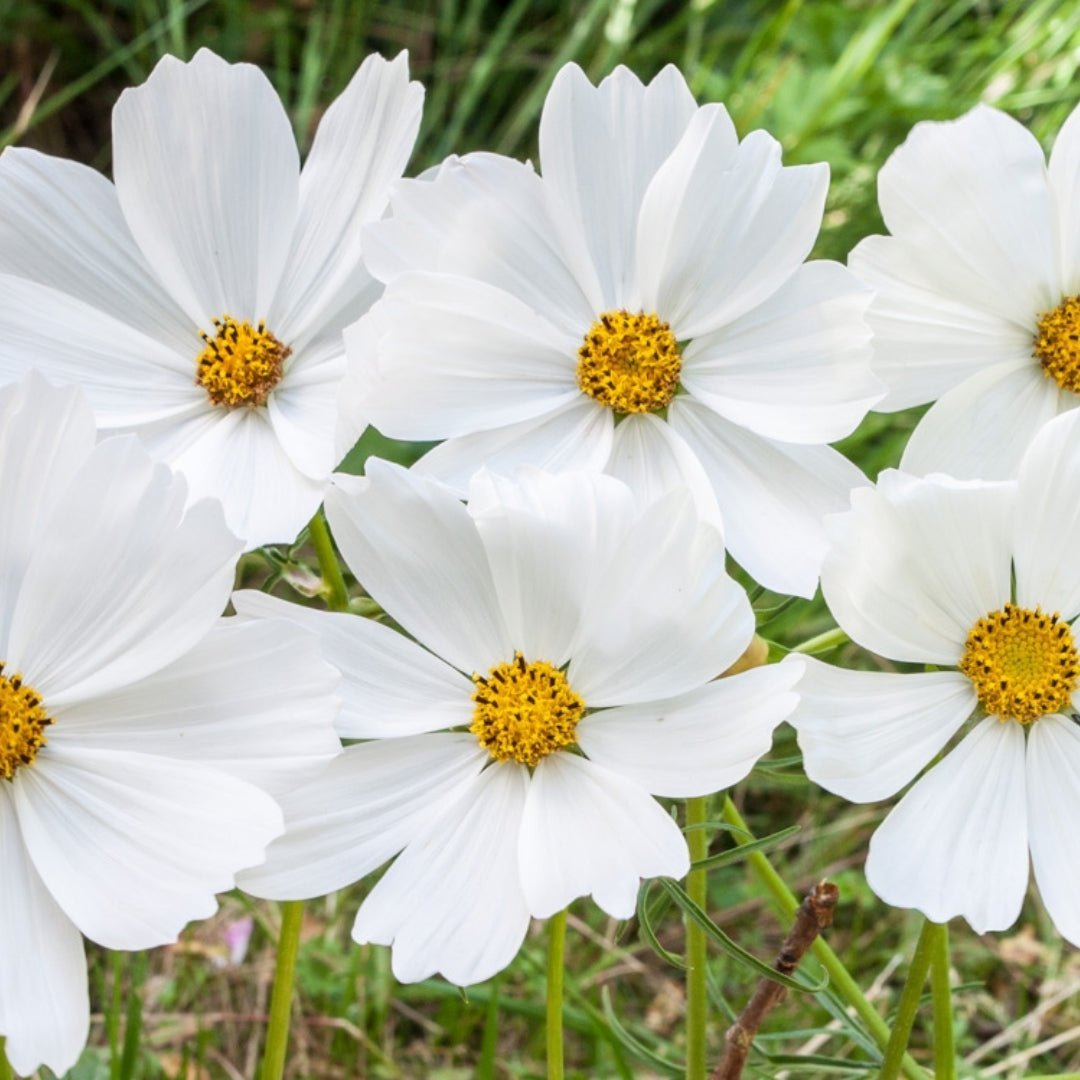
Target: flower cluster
(632, 374)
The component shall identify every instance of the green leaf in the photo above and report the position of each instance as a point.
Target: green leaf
(731, 947)
(645, 923)
(634, 1045)
(727, 858)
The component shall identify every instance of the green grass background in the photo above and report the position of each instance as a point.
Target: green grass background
(837, 80)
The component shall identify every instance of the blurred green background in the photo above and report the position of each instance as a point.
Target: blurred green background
(837, 80)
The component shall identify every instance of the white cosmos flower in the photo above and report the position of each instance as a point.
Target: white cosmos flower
(565, 639)
(977, 306)
(982, 581)
(643, 309)
(211, 218)
(134, 724)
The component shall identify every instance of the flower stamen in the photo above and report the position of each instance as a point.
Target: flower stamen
(1057, 344)
(1023, 663)
(524, 711)
(241, 363)
(630, 363)
(23, 721)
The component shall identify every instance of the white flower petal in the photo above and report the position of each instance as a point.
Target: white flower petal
(255, 700)
(235, 456)
(981, 428)
(485, 217)
(652, 459)
(303, 409)
(207, 173)
(588, 832)
(795, 368)
(44, 1004)
(917, 562)
(126, 846)
(723, 228)
(698, 743)
(45, 436)
(122, 582)
(773, 496)
(670, 247)
(926, 341)
(373, 800)
(662, 616)
(547, 538)
(61, 226)
(865, 734)
(1047, 534)
(452, 902)
(129, 378)
(390, 686)
(1064, 174)
(360, 370)
(972, 195)
(1053, 784)
(411, 543)
(599, 149)
(455, 356)
(362, 145)
(957, 842)
(575, 436)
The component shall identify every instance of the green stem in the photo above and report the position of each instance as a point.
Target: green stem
(337, 594)
(830, 639)
(5, 1068)
(277, 1034)
(909, 1003)
(944, 1039)
(697, 990)
(555, 967)
(292, 911)
(786, 904)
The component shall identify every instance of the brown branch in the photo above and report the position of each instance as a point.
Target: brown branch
(814, 915)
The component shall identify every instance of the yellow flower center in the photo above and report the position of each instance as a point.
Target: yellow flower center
(524, 711)
(22, 724)
(241, 363)
(1024, 663)
(630, 363)
(1057, 344)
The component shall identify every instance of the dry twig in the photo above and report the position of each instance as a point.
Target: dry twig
(814, 915)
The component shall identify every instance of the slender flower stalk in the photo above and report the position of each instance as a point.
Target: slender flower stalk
(944, 1040)
(909, 1002)
(292, 911)
(5, 1068)
(697, 991)
(277, 1035)
(336, 594)
(830, 639)
(786, 903)
(555, 969)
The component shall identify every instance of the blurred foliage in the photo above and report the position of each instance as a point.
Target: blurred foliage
(835, 80)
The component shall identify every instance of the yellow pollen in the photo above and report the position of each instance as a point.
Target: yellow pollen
(1024, 663)
(524, 711)
(1057, 344)
(22, 724)
(630, 363)
(241, 363)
